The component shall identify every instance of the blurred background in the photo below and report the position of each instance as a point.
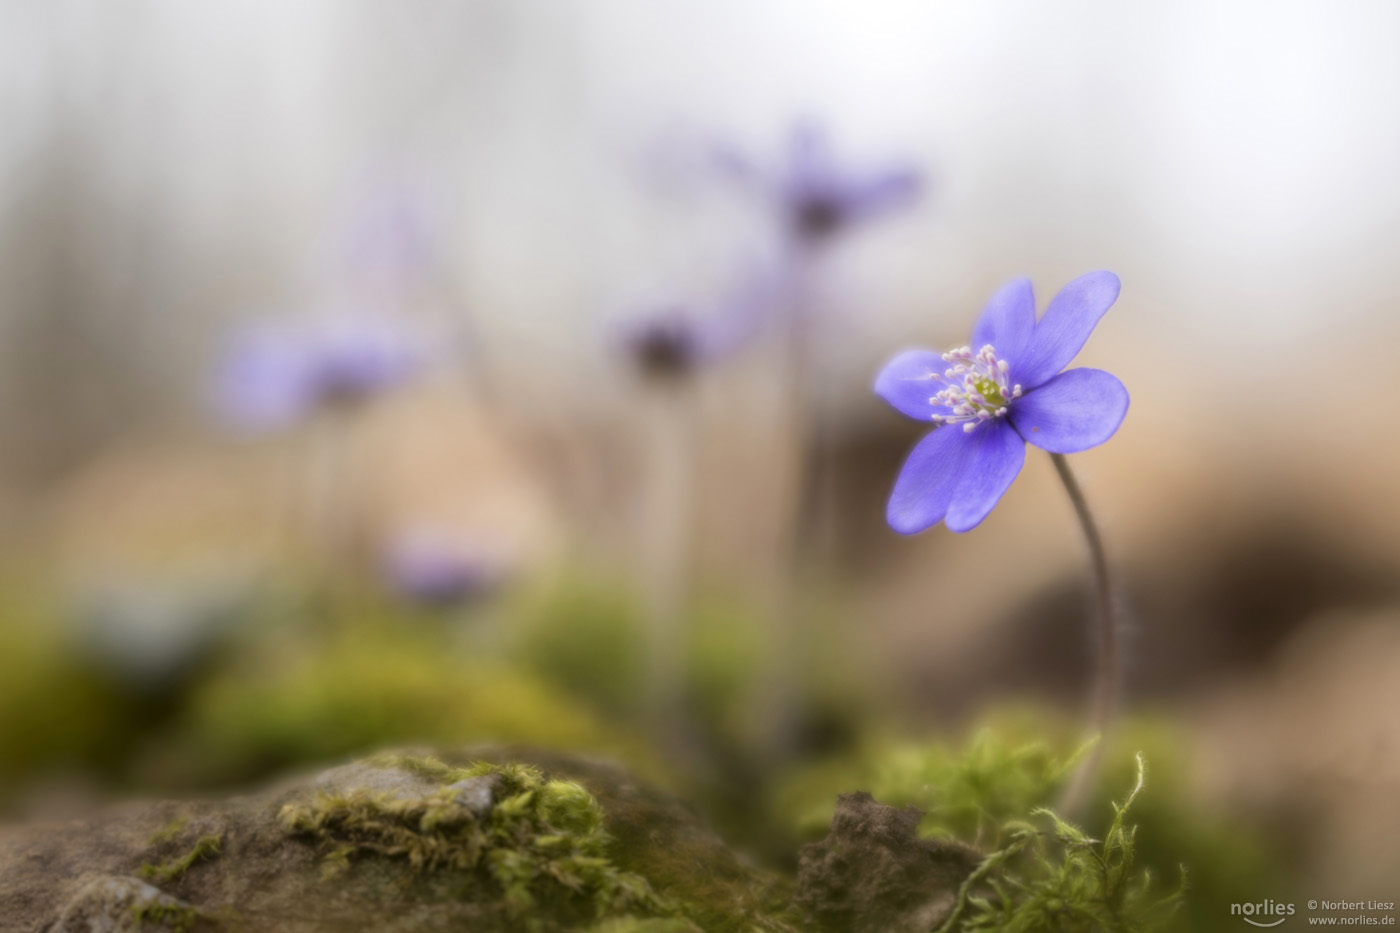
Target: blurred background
(376, 373)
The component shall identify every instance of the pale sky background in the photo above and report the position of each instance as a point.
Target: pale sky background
(1235, 162)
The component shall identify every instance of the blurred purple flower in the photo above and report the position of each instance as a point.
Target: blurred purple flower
(665, 343)
(672, 339)
(990, 403)
(818, 196)
(439, 569)
(388, 242)
(273, 375)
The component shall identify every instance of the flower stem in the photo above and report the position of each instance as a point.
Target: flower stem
(779, 706)
(331, 473)
(1110, 663)
(672, 431)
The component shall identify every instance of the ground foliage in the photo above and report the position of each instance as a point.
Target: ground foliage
(541, 840)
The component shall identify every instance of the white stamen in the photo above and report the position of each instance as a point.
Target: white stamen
(977, 390)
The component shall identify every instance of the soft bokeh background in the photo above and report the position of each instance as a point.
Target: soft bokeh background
(170, 172)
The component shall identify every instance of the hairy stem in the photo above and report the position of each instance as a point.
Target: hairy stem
(1109, 668)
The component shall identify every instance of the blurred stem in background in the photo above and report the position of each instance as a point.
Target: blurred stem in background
(1108, 670)
(669, 345)
(817, 200)
(672, 434)
(666, 346)
(331, 474)
(802, 507)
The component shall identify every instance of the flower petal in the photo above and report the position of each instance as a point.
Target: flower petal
(1066, 325)
(1076, 410)
(928, 480)
(997, 453)
(264, 380)
(868, 195)
(1007, 323)
(910, 380)
(810, 161)
(358, 353)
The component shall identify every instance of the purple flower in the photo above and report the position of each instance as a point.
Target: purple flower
(435, 568)
(275, 374)
(666, 343)
(817, 195)
(674, 338)
(388, 243)
(990, 403)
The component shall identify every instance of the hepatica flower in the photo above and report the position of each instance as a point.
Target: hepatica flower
(389, 241)
(273, 375)
(434, 568)
(666, 343)
(989, 399)
(672, 339)
(820, 196)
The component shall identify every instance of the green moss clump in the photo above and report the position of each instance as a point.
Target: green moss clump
(989, 790)
(56, 708)
(1005, 771)
(427, 768)
(172, 917)
(364, 689)
(971, 793)
(1062, 881)
(542, 843)
(205, 847)
(587, 638)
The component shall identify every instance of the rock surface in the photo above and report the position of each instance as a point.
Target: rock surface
(114, 904)
(233, 864)
(874, 874)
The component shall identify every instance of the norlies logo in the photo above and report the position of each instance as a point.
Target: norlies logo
(1264, 910)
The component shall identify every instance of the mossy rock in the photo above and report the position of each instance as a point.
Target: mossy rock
(487, 839)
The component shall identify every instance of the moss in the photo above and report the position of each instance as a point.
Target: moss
(1014, 766)
(1005, 769)
(56, 708)
(645, 925)
(172, 917)
(430, 769)
(542, 844)
(1059, 880)
(205, 848)
(588, 635)
(659, 837)
(169, 832)
(588, 638)
(1227, 853)
(365, 689)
